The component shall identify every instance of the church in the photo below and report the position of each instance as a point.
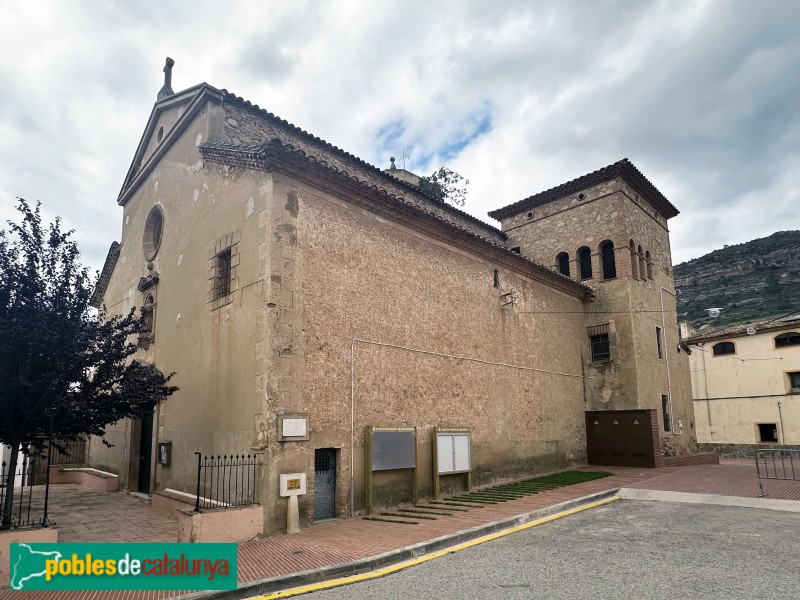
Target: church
(307, 299)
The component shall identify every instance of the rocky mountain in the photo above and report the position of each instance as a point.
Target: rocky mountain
(756, 280)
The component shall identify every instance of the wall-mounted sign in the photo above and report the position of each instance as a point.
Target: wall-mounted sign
(453, 452)
(292, 427)
(394, 449)
(293, 484)
(165, 453)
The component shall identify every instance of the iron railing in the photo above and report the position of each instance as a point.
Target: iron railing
(69, 453)
(777, 463)
(226, 481)
(30, 495)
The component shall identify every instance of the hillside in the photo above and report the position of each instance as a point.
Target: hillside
(751, 281)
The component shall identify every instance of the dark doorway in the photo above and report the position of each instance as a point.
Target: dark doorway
(141, 453)
(324, 483)
(620, 438)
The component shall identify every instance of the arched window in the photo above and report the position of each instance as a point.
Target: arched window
(634, 261)
(791, 338)
(649, 262)
(585, 260)
(562, 260)
(609, 260)
(642, 264)
(724, 348)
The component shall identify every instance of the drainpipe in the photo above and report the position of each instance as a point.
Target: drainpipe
(780, 418)
(666, 359)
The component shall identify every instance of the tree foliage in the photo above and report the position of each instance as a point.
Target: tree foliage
(446, 186)
(66, 370)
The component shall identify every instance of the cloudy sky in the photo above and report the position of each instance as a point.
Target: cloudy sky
(704, 97)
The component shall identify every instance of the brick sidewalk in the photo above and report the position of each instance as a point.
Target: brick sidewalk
(352, 539)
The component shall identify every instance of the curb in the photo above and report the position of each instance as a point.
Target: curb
(365, 565)
(713, 499)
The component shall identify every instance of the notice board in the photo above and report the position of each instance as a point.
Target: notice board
(393, 450)
(453, 452)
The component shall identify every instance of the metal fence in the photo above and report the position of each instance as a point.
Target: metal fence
(226, 481)
(28, 501)
(777, 463)
(69, 453)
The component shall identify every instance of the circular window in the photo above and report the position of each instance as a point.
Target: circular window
(153, 229)
(581, 196)
(160, 134)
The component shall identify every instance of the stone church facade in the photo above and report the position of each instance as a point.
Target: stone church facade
(283, 278)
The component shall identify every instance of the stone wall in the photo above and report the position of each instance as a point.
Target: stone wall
(453, 355)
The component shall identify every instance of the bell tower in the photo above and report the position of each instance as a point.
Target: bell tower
(608, 229)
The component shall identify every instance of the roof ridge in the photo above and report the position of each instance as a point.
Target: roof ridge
(377, 170)
(623, 167)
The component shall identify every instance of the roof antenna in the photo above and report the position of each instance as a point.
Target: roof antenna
(166, 91)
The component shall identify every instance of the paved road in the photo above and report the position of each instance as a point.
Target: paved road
(626, 550)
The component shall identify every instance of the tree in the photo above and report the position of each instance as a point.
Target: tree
(66, 370)
(445, 185)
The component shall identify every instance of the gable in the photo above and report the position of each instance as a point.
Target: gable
(168, 119)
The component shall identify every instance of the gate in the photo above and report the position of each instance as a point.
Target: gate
(620, 438)
(324, 483)
(777, 463)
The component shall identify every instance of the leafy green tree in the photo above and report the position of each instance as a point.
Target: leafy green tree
(445, 185)
(66, 371)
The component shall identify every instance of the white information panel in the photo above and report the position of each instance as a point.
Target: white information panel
(294, 427)
(293, 484)
(453, 452)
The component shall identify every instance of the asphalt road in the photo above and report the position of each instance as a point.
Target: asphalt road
(628, 549)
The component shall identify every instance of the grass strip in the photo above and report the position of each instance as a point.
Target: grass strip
(390, 521)
(406, 516)
(424, 512)
(446, 503)
(447, 506)
(459, 499)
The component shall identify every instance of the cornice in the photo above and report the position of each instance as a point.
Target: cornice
(291, 161)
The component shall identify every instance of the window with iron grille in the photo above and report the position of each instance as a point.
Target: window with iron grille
(665, 411)
(791, 338)
(600, 343)
(222, 283)
(794, 382)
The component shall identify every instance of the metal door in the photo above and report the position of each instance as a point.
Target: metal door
(145, 454)
(620, 438)
(324, 483)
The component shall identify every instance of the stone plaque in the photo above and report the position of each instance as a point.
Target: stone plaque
(292, 427)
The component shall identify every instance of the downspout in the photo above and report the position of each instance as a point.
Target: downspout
(705, 388)
(780, 418)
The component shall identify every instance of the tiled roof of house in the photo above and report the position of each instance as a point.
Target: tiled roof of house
(786, 322)
(623, 168)
(231, 97)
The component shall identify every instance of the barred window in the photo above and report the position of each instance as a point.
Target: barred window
(599, 343)
(222, 283)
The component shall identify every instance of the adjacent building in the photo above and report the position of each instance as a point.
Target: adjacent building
(746, 385)
(303, 295)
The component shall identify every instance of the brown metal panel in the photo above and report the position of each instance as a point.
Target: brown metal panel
(620, 438)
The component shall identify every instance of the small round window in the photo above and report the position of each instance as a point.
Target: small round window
(160, 135)
(153, 229)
